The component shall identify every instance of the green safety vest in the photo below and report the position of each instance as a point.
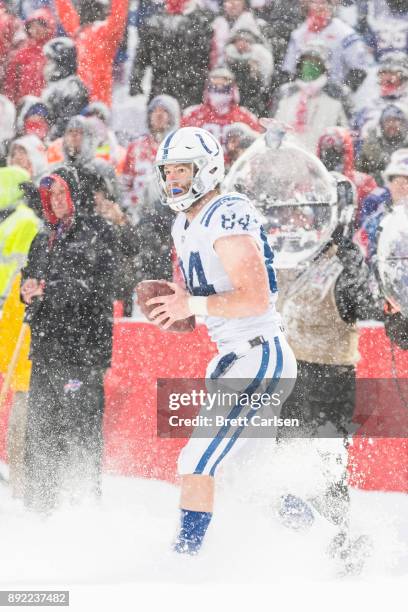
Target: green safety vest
(16, 234)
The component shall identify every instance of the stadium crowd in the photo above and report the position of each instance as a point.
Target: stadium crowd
(89, 89)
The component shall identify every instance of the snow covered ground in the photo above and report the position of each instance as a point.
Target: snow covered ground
(125, 542)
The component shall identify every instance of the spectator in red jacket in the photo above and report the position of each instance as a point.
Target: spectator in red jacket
(24, 73)
(97, 37)
(220, 107)
(335, 149)
(11, 33)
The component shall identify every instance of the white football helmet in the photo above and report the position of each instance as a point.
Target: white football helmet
(201, 149)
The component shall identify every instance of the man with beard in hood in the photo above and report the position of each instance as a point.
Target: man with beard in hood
(163, 116)
(380, 142)
(220, 107)
(24, 74)
(97, 37)
(79, 150)
(336, 150)
(65, 94)
(68, 288)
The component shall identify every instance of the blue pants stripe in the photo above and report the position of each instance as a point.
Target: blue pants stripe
(270, 389)
(235, 411)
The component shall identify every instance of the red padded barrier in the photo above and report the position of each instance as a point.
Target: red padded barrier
(142, 353)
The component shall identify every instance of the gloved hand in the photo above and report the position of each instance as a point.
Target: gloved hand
(347, 251)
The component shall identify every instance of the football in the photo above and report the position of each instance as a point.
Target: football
(148, 289)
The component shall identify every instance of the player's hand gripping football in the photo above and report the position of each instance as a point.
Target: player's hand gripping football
(170, 308)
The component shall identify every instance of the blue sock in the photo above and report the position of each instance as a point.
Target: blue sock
(295, 512)
(192, 531)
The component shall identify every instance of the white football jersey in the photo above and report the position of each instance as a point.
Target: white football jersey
(225, 215)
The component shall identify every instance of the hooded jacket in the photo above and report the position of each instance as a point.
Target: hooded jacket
(140, 155)
(224, 29)
(18, 226)
(252, 69)
(176, 45)
(97, 44)
(86, 162)
(7, 125)
(364, 183)
(310, 107)
(10, 31)
(64, 99)
(24, 74)
(36, 152)
(72, 323)
(376, 150)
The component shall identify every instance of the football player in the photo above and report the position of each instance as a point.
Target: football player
(230, 281)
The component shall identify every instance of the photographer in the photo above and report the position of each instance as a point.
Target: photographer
(68, 287)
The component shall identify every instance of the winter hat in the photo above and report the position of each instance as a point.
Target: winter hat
(36, 152)
(394, 62)
(392, 111)
(398, 165)
(29, 106)
(46, 17)
(222, 73)
(246, 135)
(61, 54)
(68, 179)
(316, 50)
(39, 108)
(97, 109)
(89, 143)
(171, 105)
(106, 181)
(247, 35)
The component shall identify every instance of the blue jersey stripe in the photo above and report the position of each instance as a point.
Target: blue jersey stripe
(235, 411)
(271, 387)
